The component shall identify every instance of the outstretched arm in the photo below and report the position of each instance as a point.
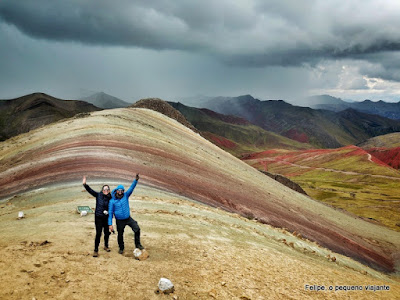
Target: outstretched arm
(132, 187)
(88, 189)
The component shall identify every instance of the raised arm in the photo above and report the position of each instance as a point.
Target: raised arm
(132, 187)
(88, 189)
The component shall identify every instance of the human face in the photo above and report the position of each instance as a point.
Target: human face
(106, 190)
(120, 192)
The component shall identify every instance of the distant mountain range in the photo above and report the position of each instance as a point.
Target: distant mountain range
(385, 109)
(381, 108)
(105, 101)
(320, 128)
(26, 113)
(237, 124)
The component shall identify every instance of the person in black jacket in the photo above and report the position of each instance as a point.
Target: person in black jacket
(101, 215)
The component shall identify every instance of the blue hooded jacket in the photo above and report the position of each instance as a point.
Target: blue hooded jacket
(120, 207)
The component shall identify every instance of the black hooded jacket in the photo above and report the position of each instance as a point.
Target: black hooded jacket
(101, 201)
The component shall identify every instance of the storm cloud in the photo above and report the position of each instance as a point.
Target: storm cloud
(268, 48)
(249, 33)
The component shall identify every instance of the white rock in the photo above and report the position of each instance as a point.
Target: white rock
(137, 252)
(21, 215)
(83, 213)
(165, 286)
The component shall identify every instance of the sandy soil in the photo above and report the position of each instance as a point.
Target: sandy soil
(207, 253)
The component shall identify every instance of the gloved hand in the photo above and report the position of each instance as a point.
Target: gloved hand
(105, 212)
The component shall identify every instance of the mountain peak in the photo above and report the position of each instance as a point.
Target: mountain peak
(106, 101)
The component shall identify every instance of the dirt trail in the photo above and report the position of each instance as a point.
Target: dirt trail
(207, 253)
(283, 161)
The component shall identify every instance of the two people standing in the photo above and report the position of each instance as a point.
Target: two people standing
(114, 204)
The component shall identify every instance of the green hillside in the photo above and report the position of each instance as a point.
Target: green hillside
(233, 134)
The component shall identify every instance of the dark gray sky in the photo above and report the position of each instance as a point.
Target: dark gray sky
(276, 49)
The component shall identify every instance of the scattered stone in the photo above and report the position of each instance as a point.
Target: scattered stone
(175, 297)
(165, 286)
(67, 280)
(213, 293)
(140, 254)
(62, 272)
(223, 283)
(37, 265)
(83, 213)
(21, 215)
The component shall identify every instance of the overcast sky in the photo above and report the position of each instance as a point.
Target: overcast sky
(271, 49)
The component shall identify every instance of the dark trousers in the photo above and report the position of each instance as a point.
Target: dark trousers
(121, 227)
(101, 225)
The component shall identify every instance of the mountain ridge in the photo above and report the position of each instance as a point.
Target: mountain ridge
(320, 128)
(31, 111)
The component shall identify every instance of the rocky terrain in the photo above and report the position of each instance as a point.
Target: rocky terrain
(165, 108)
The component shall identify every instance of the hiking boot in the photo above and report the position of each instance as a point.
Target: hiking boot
(107, 249)
(95, 253)
(121, 251)
(140, 247)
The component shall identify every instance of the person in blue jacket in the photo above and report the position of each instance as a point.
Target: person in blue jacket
(119, 207)
(100, 215)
